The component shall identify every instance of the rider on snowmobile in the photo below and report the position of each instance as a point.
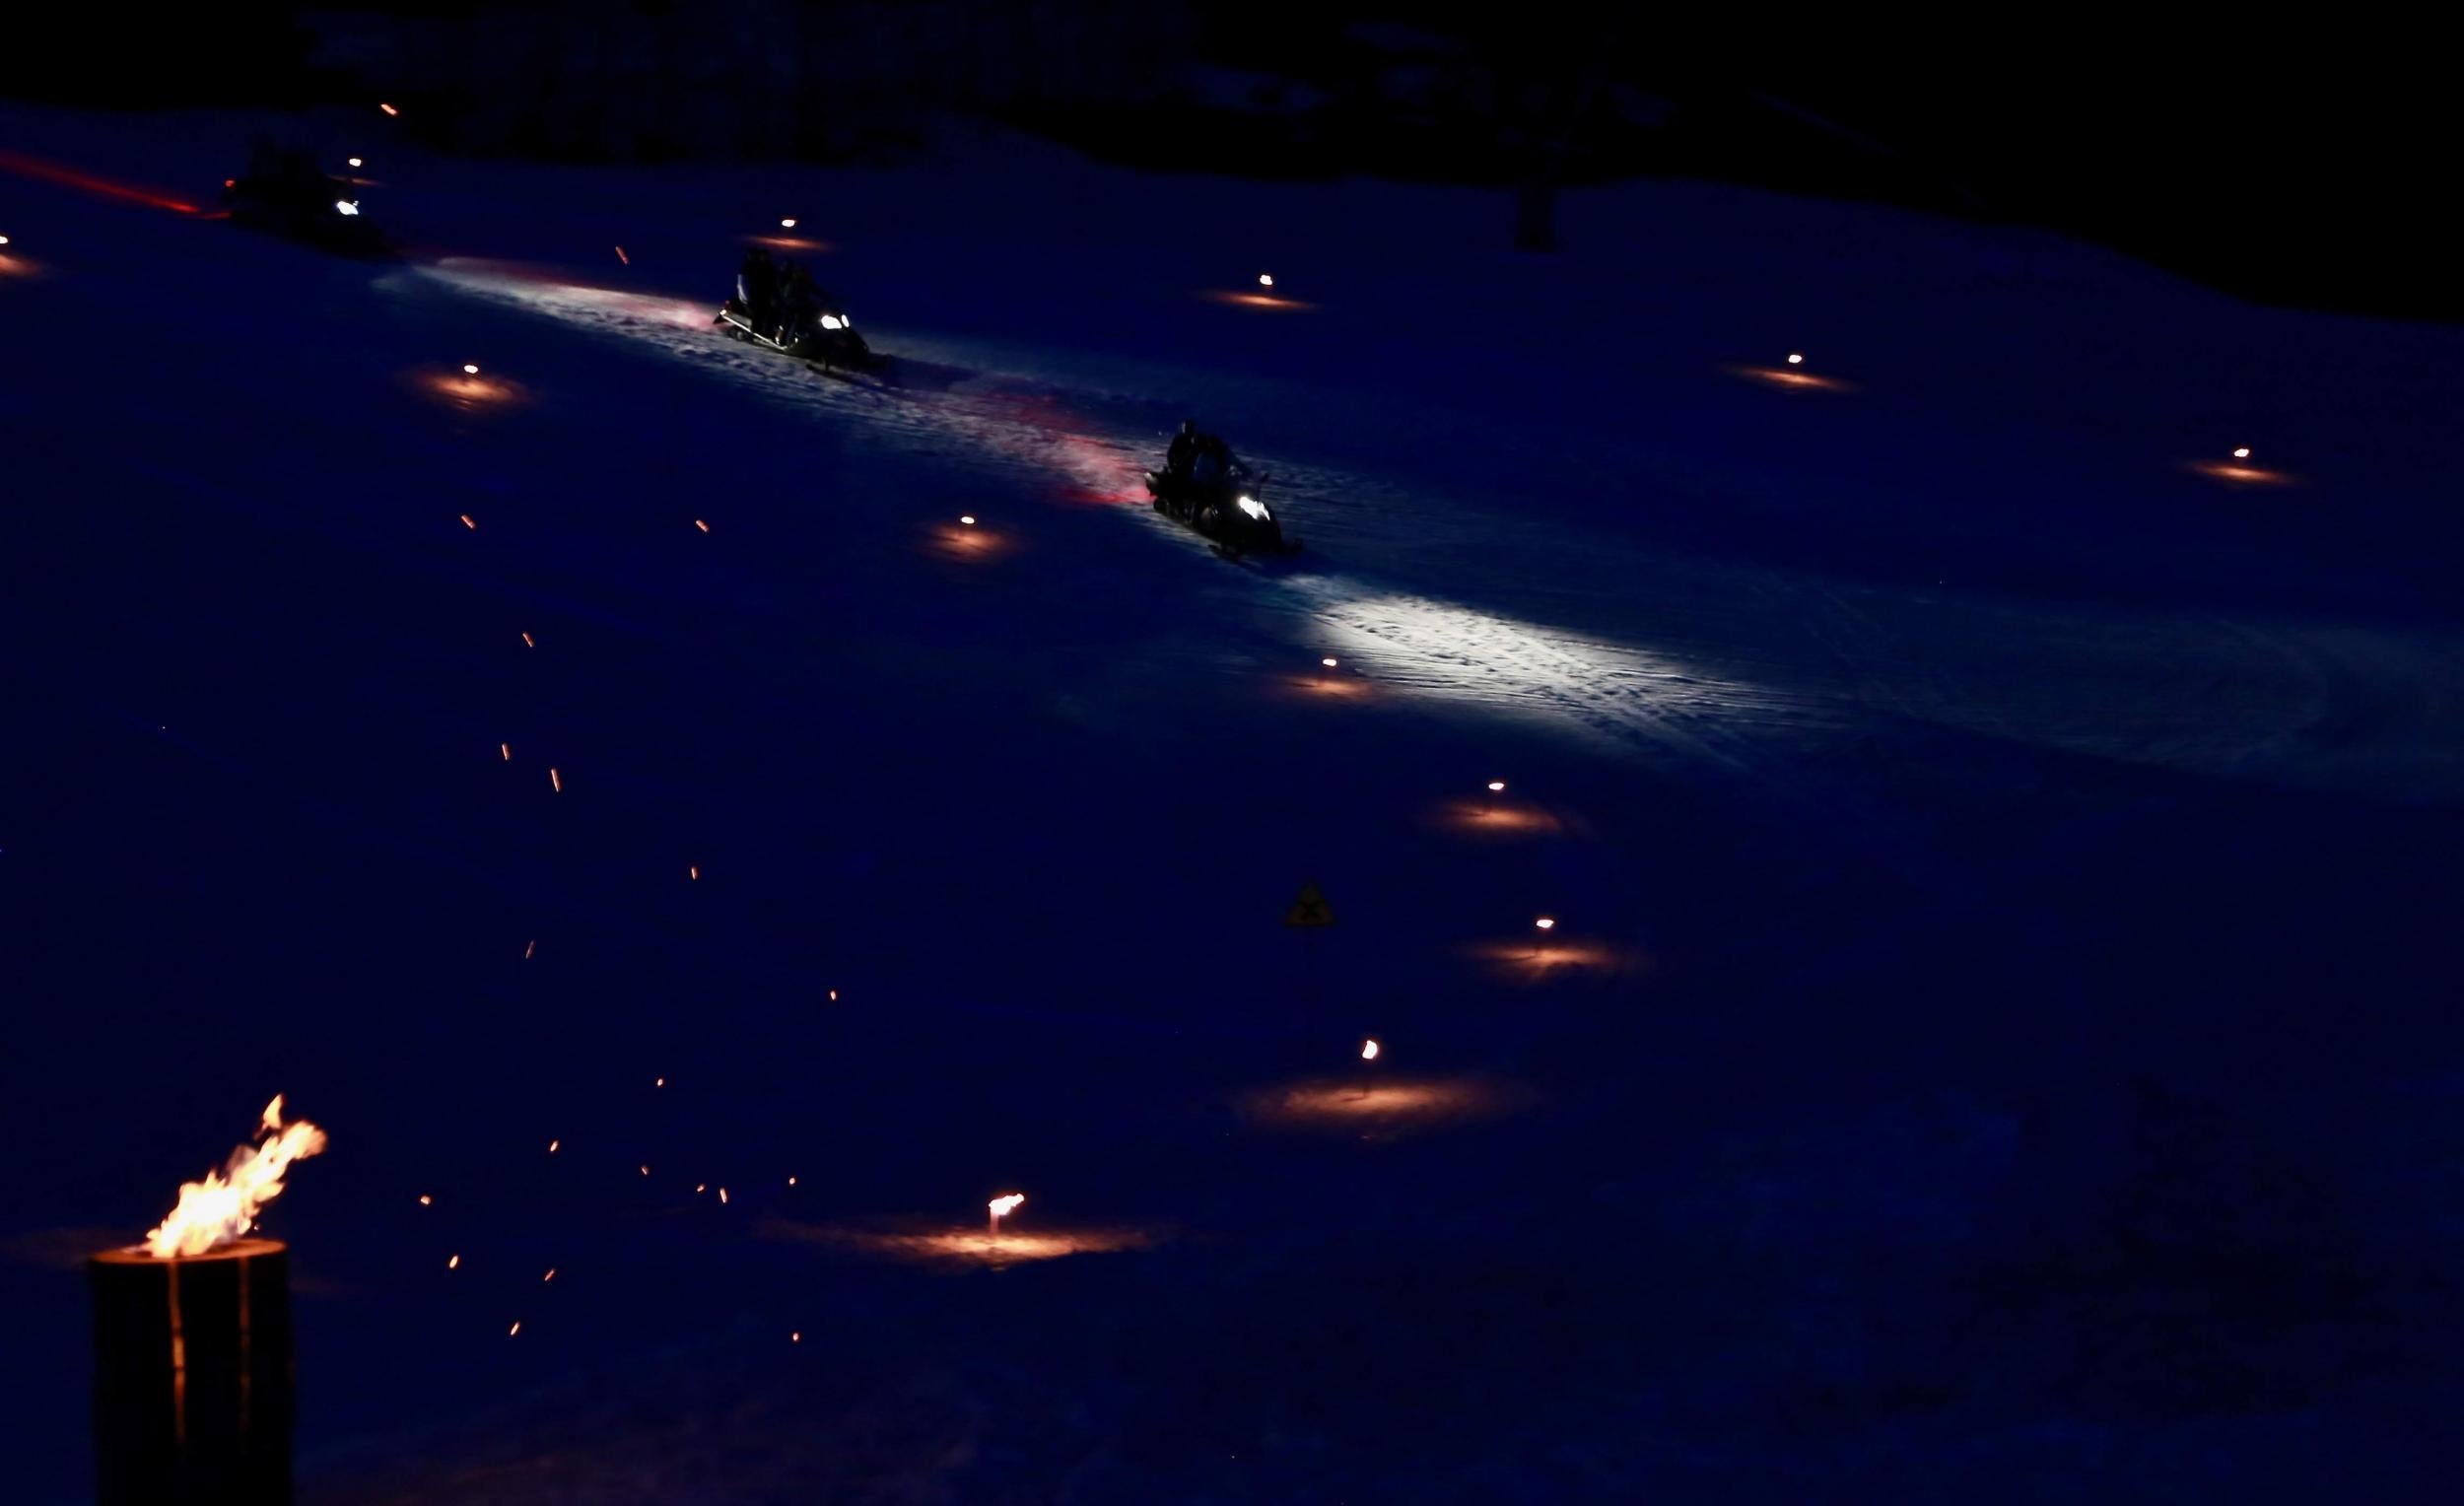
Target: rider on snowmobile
(757, 286)
(1182, 451)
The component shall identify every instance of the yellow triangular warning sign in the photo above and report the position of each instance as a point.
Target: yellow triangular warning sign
(1311, 909)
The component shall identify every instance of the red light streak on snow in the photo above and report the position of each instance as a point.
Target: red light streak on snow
(26, 165)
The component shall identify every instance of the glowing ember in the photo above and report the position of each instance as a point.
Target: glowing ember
(659, 1082)
(529, 948)
(693, 872)
(515, 1329)
(530, 642)
(552, 1145)
(555, 781)
(790, 1182)
(645, 1171)
(699, 1188)
(621, 256)
(453, 1262)
(551, 1276)
(507, 749)
(222, 1207)
(425, 1200)
(388, 109)
(795, 1338)
(467, 524)
(697, 523)
(723, 1194)
(1369, 1050)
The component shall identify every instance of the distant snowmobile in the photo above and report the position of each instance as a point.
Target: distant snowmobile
(814, 329)
(1219, 501)
(285, 194)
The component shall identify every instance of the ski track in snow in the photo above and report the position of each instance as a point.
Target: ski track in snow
(1743, 664)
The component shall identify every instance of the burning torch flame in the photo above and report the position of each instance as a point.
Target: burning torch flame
(219, 1209)
(1002, 1206)
(1369, 1050)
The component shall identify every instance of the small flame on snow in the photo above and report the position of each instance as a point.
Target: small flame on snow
(2242, 453)
(1545, 923)
(1795, 359)
(1496, 786)
(1003, 1207)
(1369, 1050)
(470, 368)
(219, 1209)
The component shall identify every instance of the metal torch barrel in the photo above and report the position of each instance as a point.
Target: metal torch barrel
(194, 1381)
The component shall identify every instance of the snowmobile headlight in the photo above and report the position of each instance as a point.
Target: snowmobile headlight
(345, 206)
(832, 321)
(1253, 508)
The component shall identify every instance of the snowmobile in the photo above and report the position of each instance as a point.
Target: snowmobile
(292, 199)
(826, 336)
(1225, 509)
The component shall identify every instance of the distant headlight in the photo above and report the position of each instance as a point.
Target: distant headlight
(346, 206)
(1253, 508)
(832, 321)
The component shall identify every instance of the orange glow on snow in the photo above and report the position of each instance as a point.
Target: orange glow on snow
(1264, 301)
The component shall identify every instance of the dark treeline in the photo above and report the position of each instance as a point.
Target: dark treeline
(2301, 167)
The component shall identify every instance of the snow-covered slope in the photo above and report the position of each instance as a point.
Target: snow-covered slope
(1994, 1038)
